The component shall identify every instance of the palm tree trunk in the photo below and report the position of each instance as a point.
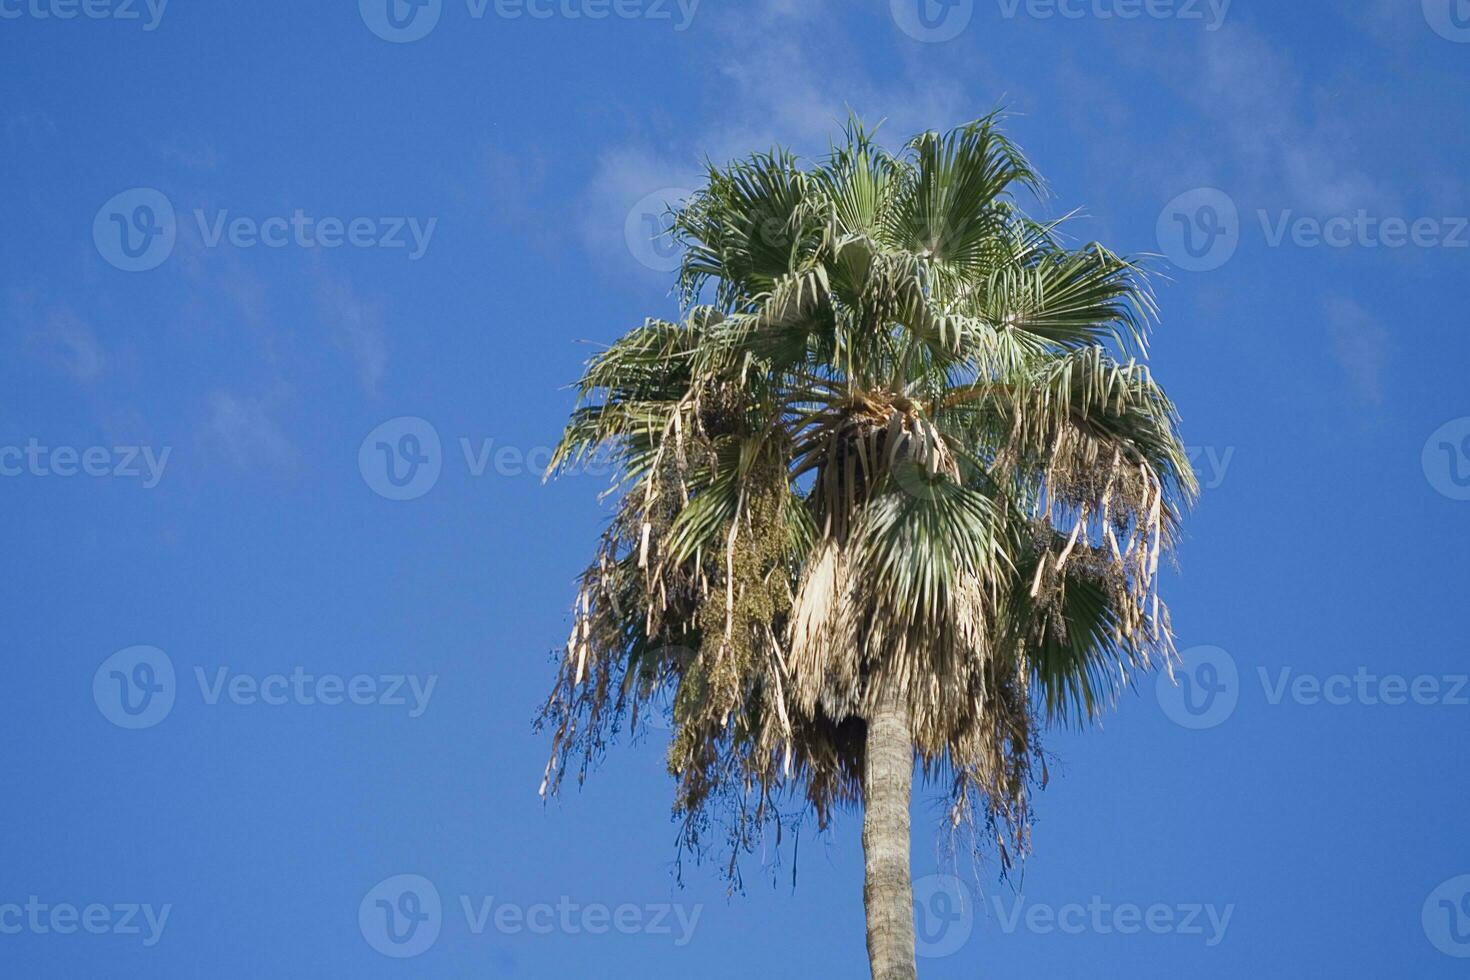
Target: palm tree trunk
(888, 891)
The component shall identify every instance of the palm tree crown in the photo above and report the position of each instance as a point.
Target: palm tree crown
(898, 446)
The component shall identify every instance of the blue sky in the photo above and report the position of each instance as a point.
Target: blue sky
(256, 676)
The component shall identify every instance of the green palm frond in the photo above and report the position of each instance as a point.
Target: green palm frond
(902, 435)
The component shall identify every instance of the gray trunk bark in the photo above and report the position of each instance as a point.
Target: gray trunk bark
(888, 890)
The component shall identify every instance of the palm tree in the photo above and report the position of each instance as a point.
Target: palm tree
(895, 484)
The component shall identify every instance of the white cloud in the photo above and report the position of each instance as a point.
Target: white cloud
(57, 336)
(1362, 348)
(357, 327)
(73, 344)
(33, 127)
(244, 429)
(624, 176)
(1288, 144)
(191, 153)
(772, 93)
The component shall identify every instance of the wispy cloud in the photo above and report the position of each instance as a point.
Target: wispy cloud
(243, 428)
(225, 287)
(1362, 347)
(357, 327)
(58, 337)
(73, 344)
(1279, 129)
(1259, 128)
(624, 176)
(191, 153)
(32, 127)
(771, 94)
